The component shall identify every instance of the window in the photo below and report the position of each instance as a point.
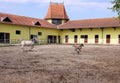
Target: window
(33, 36)
(6, 19)
(66, 36)
(18, 32)
(82, 36)
(86, 36)
(73, 30)
(39, 33)
(37, 23)
(57, 21)
(75, 36)
(96, 36)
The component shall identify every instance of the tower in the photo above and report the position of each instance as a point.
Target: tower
(56, 14)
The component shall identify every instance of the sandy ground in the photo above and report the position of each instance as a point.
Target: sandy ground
(60, 64)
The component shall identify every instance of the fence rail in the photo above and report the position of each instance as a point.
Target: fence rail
(16, 41)
(63, 41)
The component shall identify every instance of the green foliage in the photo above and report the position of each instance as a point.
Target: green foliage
(116, 6)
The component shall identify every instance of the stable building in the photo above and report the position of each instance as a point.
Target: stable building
(56, 27)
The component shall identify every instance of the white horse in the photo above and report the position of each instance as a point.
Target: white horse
(30, 43)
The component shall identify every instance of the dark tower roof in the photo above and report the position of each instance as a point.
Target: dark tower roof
(56, 11)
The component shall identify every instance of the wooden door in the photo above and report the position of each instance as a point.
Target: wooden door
(86, 39)
(75, 38)
(59, 40)
(96, 39)
(66, 39)
(119, 39)
(4, 37)
(108, 39)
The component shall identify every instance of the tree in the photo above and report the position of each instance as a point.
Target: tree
(116, 6)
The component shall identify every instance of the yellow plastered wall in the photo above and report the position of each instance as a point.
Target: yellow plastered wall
(113, 32)
(45, 33)
(26, 31)
(49, 20)
(11, 29)
(90, 32)
(64, 21)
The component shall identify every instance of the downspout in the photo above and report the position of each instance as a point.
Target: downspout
(102, 35)
(29, 32)
(58, 35)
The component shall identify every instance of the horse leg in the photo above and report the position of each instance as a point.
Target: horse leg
(78, 52)
(80, 49)
(22, 47)
(32, 46)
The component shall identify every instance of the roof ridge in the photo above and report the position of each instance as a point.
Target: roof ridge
(56, 3)
(20, 16)
(26, 21)
(94, 18)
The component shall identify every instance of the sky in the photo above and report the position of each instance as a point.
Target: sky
(76, 9)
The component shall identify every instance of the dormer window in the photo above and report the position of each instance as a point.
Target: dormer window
(57, 21)
(37, 23)
(6, 19)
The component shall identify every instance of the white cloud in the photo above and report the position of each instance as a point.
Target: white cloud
(88, 3)
(66, 1)
(75, 7)
(75, 3)
(24, 1)
(15, 1)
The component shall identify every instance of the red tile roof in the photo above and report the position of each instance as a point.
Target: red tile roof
(92, 23)
(56, 11)
(86, 23)
(27, 21)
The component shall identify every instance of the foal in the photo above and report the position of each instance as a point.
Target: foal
(78, 48)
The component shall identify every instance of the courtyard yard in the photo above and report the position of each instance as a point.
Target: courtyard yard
(60, 64)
